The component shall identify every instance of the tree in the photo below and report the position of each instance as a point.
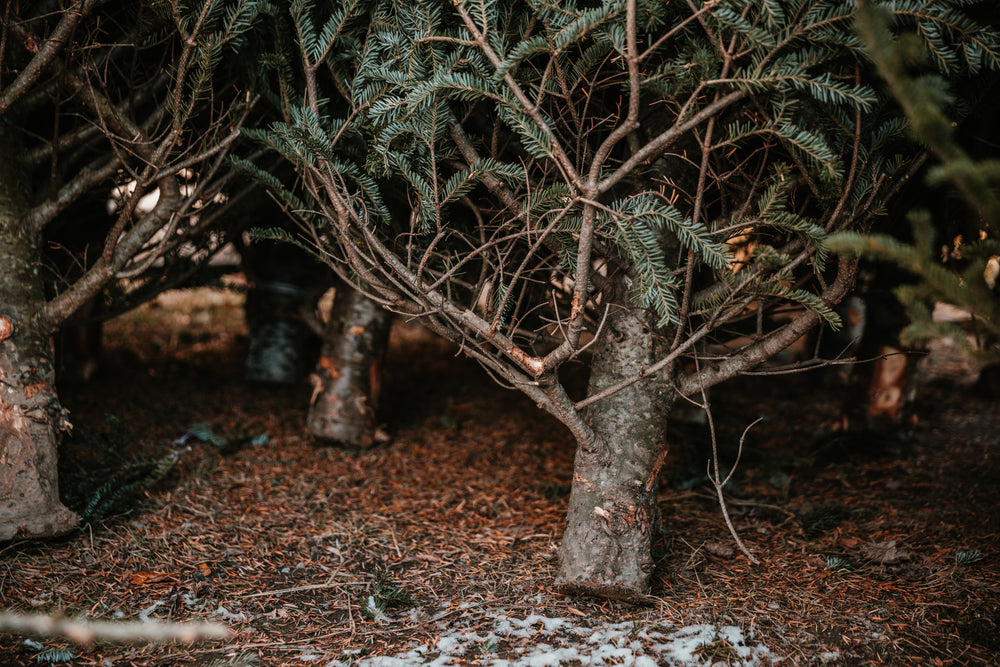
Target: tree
(967, 275)
(645, 187)
(99, 96)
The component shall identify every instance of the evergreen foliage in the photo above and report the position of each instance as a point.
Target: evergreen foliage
(969, 557)
(54, 656)
(662, 177)
(484, 133)
(906, 64)
(137, 96)
(385, 595)
(115, 484)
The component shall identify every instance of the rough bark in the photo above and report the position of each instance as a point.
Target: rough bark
(31, 417)
(613, 515)
(348, 375)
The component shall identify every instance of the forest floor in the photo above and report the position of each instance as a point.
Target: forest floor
(440, 547)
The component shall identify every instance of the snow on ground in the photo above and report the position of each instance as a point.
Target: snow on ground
(539, 641)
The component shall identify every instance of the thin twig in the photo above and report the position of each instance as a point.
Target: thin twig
(717, 480)
(294, 589)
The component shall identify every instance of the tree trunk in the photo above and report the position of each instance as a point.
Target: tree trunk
(349, 373)
(285, 286)
(31, 418)
(613, 515)
(279, 336)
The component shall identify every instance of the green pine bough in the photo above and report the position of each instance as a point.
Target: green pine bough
(646, 187)
(903, 62)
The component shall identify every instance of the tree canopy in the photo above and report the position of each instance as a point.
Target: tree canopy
(100, 98)
(650, 182)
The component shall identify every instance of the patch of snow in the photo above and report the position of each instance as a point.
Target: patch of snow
(144, 614)
(540, 641)
(526, 627)
(372, 607)
(231, 617)
(452, 644)
(309, 656)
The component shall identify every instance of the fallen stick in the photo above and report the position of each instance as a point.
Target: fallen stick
(88, 632)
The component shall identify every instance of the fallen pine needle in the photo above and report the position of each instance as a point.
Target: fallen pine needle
(294, 589)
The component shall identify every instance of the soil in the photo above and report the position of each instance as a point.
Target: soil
(209, 502)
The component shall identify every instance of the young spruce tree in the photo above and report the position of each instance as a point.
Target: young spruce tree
(973, 279)
(645, 186)
(94, 96)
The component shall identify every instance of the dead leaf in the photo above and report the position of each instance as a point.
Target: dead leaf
(144, 578)
(886, 553)
(719, 549)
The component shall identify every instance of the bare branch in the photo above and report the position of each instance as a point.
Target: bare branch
(719, 484)
(755, 353)
(99, 172)
(46, 53)
(632, 118)
(562, 159)
(663, 141)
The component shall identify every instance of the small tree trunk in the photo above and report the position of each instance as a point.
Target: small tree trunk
(31, 420)
(349, 373)
(887, 392)
(613, 515)
(31, 417)
(279, 336)
(279, 305)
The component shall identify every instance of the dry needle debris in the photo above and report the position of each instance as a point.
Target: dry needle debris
(872, 551)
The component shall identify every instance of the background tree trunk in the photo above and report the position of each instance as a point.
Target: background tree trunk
(348, 375)
(613, 515)
(31, 417)
(286, 284)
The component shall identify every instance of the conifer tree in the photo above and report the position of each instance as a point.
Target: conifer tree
(98, 96)
(971, 280)
(645, 186)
